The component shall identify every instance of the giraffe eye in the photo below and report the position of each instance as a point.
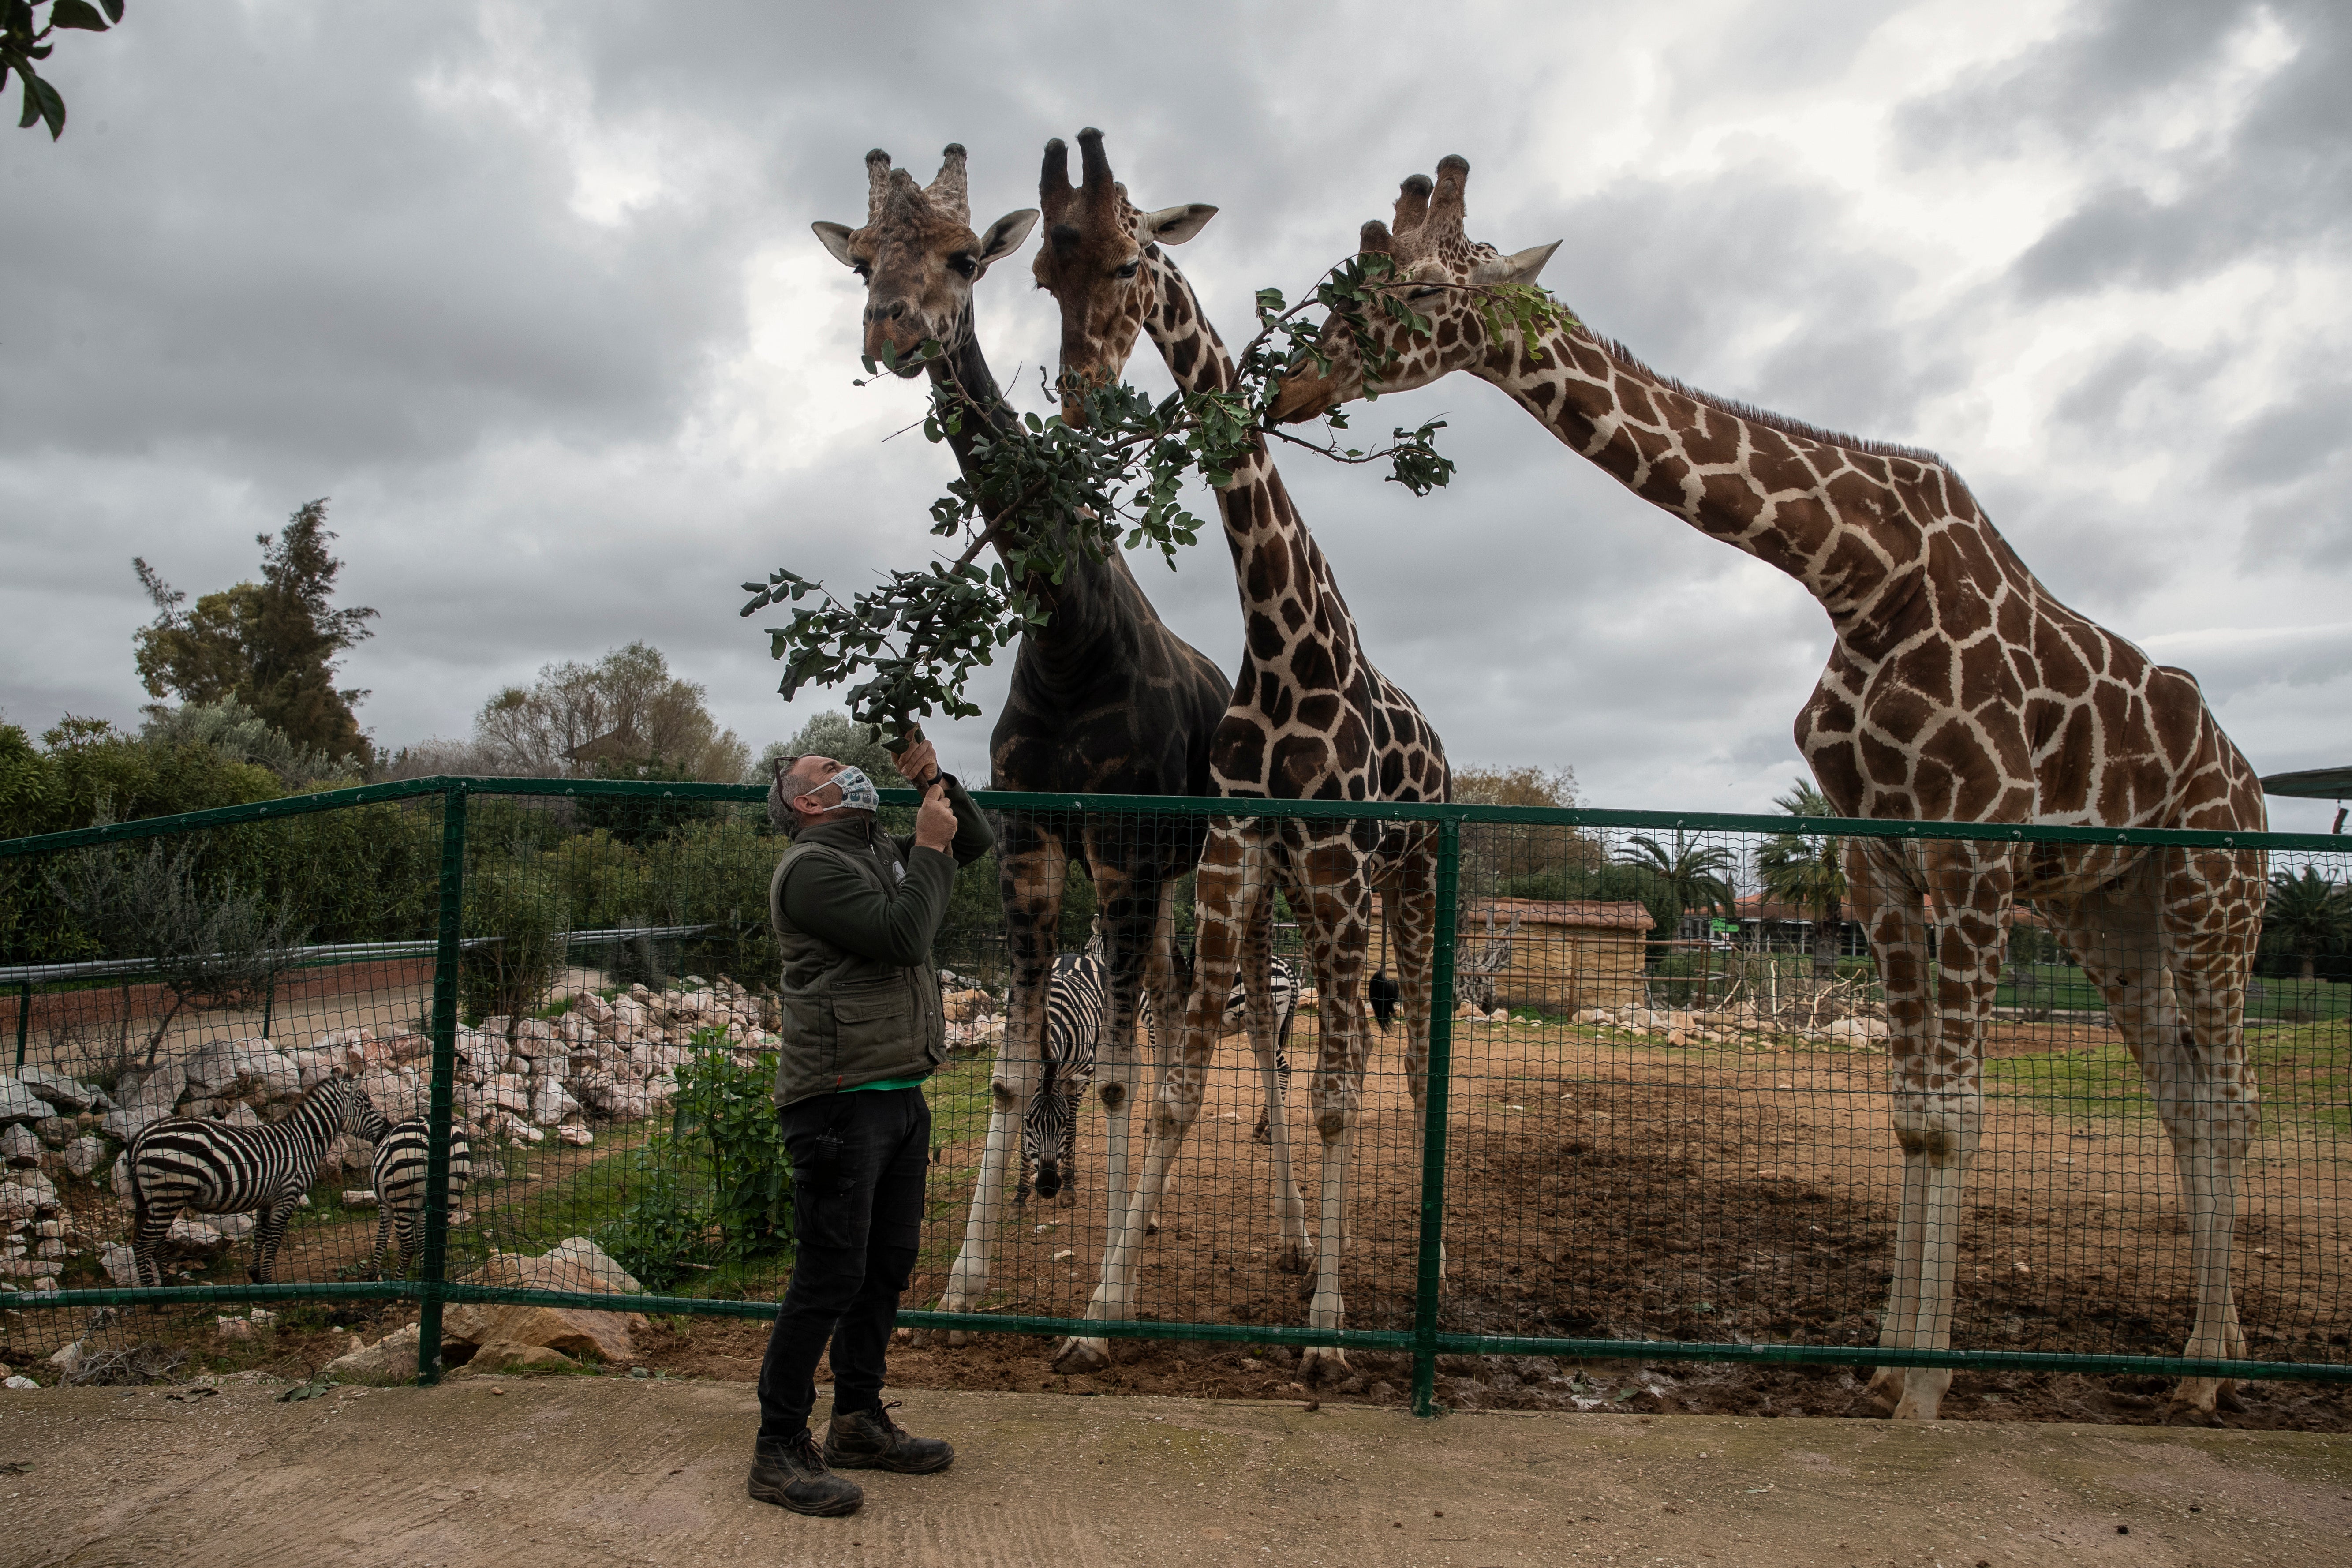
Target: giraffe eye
(1129, 270)
(1428, 291)
(964, 263)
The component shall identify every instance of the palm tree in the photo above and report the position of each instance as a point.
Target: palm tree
(1808, 871)
(1694, 876)
(2309, 914)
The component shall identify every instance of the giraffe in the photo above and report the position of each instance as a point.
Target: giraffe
(1104, 698)
(1310, 718)
(1958, 688)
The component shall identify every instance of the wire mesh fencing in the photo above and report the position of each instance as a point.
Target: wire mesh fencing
(1428, 1081)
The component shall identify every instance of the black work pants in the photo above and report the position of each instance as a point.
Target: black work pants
(858, 1163)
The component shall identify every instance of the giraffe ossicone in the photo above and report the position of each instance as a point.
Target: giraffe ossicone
(1958, 689)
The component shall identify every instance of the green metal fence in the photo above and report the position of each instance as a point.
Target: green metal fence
(1652, 1120)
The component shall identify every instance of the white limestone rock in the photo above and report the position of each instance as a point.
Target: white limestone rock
(31, 1188)
(18, 1146)
(18, 1103)
(241, 1115)
(234, 1227)
(67, 1094)
(57, 1132)
(195, 1233)
(401, 1093)
(121, 1264)
(551, 1103)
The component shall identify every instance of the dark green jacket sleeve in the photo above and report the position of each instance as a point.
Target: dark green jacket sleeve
(831, 901)
(974, 836)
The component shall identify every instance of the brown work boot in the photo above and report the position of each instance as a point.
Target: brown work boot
(870, 1440)
(793, 1474)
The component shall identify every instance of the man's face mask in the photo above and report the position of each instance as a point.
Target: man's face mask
(857, 791)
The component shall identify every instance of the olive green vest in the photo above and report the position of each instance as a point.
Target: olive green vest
(849, 1020)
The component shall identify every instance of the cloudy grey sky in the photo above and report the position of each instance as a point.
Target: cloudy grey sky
(529, 291)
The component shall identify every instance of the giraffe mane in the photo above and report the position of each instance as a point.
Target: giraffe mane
(1801, 429)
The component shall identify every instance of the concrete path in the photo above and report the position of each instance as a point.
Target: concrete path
(580, 1473)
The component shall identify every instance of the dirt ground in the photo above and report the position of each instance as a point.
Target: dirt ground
(1608, 1189)
(580, 1473)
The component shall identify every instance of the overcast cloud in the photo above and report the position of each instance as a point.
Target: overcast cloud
(529, 291)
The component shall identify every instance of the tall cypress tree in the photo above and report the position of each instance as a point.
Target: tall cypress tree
(272, 644)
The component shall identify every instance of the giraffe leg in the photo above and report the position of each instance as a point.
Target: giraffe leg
(1289, 1206)
(1409, 904)
(2171, 956)
(1231, 866)
(1936, 1103)
(1332, 900)
(1032, 866)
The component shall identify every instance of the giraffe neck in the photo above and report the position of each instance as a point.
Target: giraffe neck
(1830, 515)
(1096, 603)
(1254, 504)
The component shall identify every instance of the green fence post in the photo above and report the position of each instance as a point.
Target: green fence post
(24, 1019)
(1432, 1261)
(445, 1077)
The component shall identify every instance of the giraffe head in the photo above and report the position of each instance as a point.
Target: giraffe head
(919, 255)
(1439, 272)
(1093, 262)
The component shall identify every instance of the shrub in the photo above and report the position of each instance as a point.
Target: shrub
(523, 916)
(716, 1188)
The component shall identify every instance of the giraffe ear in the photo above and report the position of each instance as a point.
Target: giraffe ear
(836, 237)
(1175, 225)
(1520, 268)
(1005, 235)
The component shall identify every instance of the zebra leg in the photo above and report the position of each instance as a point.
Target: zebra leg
(267, 1235)
(1069, 1194)
(150, 1223)
(383, 1236)
(1032, 865)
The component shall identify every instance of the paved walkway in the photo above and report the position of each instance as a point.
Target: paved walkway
(580, 1473)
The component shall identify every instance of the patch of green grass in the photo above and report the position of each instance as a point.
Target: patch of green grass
(2102, 1080)
(2305, 1072)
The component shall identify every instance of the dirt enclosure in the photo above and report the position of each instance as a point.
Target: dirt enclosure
(1597, 1187)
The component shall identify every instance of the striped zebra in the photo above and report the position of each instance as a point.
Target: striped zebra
(191, 1165)
(1077, 1000)
(1077, 1003)
(399, 1169)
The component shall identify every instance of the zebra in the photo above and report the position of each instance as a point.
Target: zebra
(400, 1167)
(1077, 1000)
(194, 1164)
(1076, 1004)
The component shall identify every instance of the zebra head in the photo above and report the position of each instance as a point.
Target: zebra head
(359, 1116)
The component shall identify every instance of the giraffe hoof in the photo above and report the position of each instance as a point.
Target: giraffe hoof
(958, 1339)
(1918, 1409)
(1881, 1397)
(1318, 1365)
(2197, 1401)
(1078, 1356)
(1291, 1259)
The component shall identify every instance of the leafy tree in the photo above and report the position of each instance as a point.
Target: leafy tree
(833, 735)
(1695, 875)
(625, 711)
(1807, 870)
(269, 644)
(24, 38)
(2309, 915)
(240, 735)
(215, 946)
